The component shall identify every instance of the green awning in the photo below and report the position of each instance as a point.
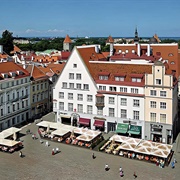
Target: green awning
(134, 130)
(122, 128)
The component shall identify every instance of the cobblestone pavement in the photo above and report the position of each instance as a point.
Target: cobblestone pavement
(74, 163)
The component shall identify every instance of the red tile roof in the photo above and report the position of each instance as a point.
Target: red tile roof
(67, 39)
(7, 67)
(110, 40)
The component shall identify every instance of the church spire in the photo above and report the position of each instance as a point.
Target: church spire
(136, 38)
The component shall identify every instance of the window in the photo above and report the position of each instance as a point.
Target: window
(22, 93)
(136, 79)
(102, 88)
(162, 105)
(153, 92)
(86, 86)
(70, 95)
(1, 112)
(21, 81)
(162, 118)
(41, 96)
(13, 95)
(123, 101)
(13, 107)
(103, 77)
(158, 81)
(12, 83)
(153, 117)
(80, 97)
(64, 85)
(74, 65)
(17, 106)
(111, 100)
(45, 85)
(8, 109)
(111, 112)
(55, 105)
(22, 117)
(80, 108)
(89, 98)
(25, 80)
(8, 97)
(112, 89)
(33, 98)
(134, 90)
(136, 115)
(122, 89)
(135, 103)
(61, 95)
(119, 78)
(70, 106)
(100, 111)
(61, 105)
(71, 85)
(41, 86)
(78, 86)
(37, 87)
(163, 93)
(89, 109)
(22, 104)
(17, 82)
(153, 104)
(123, 113)
(33, 88)
(78, 76)
(17, 94)
(71, 75)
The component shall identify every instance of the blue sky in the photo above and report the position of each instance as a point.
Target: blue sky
(92, 18)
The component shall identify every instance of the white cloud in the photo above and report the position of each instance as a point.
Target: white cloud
(31, 31)
(55, 31)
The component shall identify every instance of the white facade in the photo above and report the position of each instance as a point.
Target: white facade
(14, 101)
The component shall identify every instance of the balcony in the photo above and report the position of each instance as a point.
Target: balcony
(100, 103)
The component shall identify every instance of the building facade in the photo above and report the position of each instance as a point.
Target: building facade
(14, 95)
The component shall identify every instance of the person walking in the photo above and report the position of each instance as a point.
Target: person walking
(135, 175)
(120, 169)
(121, 173)
(93, 156)
(106, 167)
(20, 153)
(53, 152)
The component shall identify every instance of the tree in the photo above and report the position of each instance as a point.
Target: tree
(7, 41)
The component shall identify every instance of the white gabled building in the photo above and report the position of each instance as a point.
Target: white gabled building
(100, 94)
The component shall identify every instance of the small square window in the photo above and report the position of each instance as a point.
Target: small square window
(74, 65)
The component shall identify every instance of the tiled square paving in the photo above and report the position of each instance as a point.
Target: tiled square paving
(74, 163)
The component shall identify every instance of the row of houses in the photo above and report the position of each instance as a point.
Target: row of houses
(133, 91)
(25, 94)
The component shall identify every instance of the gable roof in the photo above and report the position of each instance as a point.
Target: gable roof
(110, 40)
(67, 39)
(35, 72)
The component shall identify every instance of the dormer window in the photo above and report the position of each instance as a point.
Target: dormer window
(103, 76)
(119, 78)
(136, 77)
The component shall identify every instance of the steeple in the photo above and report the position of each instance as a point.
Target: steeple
(136, 38)
(67, 44)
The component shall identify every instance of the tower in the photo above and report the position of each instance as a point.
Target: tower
(136, 38)
(67, 44)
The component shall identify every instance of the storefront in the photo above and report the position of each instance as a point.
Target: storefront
(122, 128)
(84, 122)
(134, 131)
(99, 124)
